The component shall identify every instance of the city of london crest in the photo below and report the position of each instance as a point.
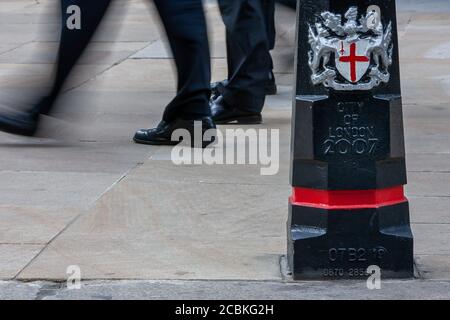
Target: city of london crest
(354, 55)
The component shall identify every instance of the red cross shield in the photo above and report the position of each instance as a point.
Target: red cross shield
(352, 60)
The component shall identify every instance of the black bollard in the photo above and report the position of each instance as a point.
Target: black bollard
(348, 211)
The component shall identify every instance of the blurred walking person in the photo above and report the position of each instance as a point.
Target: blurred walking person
(184, 22)
(250, 35)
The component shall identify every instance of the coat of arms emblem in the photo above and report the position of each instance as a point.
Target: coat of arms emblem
(362, 50)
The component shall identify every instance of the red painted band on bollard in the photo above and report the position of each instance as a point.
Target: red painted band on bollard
(347, 199)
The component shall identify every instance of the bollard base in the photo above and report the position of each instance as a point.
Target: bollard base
(328, 244)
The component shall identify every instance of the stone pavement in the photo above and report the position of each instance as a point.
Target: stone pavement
(83, 194)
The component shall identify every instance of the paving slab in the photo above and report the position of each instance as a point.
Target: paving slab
(12, 290)
(53, 189)
(139, 75)
(89, 157)
(33, 225)
(86, 106)
(14, 257)
(434, 266)
(156, 50)
(429, 210)
(428, 184)
(166, 230)
(431, 239)
(227, 290)
(160, 170)
(29, 76)
(142, 217)
(46, 53)
(438, 6)
(426, 130)
(428, 162)
(420, 77)
(6, 47)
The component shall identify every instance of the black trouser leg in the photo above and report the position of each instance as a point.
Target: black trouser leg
(248, 49)
(185, 25)
(269, 13)
(186, 28)
(289, 3)
(73, 42)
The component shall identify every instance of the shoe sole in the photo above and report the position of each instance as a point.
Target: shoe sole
(169, 143)
(18, 132)
(156, 143)
(242, 120)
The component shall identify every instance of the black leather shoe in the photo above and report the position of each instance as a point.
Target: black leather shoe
(162, 134)
(20, 123)
(223, 113)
